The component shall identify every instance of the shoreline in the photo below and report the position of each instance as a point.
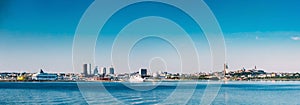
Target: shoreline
(183, 80)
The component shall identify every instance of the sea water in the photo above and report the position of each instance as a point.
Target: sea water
(229, 93)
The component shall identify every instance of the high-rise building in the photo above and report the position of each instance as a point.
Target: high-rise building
(103, 70)
(143, 72)
(90, 69)
(225, 69)
(96, 70)
(111, 70)
(85, 69)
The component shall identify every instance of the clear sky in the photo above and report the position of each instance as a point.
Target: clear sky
(38, 34)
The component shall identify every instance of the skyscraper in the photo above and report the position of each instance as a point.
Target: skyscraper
(90, 69)
(85, 69)
(111, 70)
(103, 70)
(96, 70)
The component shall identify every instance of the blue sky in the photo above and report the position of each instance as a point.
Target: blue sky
(38, 34)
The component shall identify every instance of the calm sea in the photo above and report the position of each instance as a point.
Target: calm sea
(250, 93)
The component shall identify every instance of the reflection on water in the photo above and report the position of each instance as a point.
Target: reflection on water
(68, 93)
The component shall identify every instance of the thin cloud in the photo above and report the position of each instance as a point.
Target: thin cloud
(295, 38)
(280, 35)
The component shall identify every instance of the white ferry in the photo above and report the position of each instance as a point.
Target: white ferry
(44, 76)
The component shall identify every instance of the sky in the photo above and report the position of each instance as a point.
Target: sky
(37, 34)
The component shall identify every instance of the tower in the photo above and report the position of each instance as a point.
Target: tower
(225, 68)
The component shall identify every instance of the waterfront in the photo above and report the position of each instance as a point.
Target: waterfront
(144, 75)
(239, 92)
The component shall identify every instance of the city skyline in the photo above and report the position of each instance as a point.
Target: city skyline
(39, 34)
